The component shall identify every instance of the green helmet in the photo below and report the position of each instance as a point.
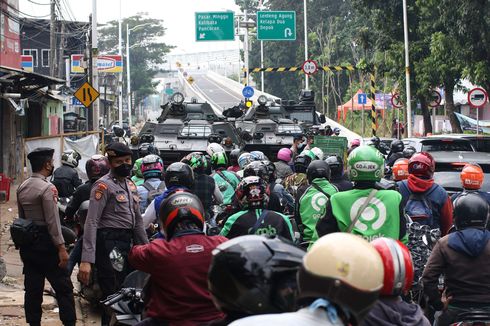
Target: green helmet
(137, 168)
(219, 160)
(196, 161)
(309, 153)
(365, 163)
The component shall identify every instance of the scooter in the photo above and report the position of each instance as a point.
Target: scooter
(473, 317)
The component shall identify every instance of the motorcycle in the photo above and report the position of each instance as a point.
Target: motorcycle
(66, 228)
(128, 303)
(473, 317)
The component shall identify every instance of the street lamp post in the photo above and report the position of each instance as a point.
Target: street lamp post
(129, 97)
(407, 70)
(307, 78)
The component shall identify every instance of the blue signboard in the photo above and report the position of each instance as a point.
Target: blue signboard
(361, 98)
(75, 101)
(248, 92)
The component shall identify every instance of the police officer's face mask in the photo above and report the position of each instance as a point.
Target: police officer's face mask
(50, 168)
(123, 170)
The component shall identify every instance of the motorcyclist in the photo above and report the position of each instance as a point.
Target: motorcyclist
(425, 202)
(376, 143)
(178, 177)
(65, 178)
(178, 265)
(472, 178)
(318, 153)
(337, 176)
(365, 210)
(298, 180)
(259, 169)
(152, 169)
(339, 281)
(353, 145)
(234, 154)
(391, 309)
(462, 257)
(277, 189)
(253, 196)
(258, 156)
(409, 151)
(396, 152)
(400, 169)
(146, 149)
(226, 181)
(261, 281)
(336, 131)
(310, 207)
(137, 177)
(284, 156)
(214, 148)
(243, 161)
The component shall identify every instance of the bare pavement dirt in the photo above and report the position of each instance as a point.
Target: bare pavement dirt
(12, 281)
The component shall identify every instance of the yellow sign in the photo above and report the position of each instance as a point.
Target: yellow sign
(86, 94)
(249, 104)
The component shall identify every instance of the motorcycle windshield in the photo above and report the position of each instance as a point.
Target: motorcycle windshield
(136, 279)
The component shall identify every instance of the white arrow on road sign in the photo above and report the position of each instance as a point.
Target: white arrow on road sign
(288, 32)
(202, 35)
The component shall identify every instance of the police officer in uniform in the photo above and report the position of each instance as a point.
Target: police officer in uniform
(113, 223)
(47, 257)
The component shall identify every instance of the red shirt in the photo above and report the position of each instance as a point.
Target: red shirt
(179, 278)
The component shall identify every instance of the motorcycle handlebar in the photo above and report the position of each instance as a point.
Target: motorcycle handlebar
(117, 297)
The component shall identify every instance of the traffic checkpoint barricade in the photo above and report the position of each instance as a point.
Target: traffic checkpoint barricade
(329, 69)
(5, 183)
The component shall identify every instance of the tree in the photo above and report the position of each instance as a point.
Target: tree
(147, 50)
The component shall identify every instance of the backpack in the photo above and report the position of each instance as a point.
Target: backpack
(153, 192)
(419, 206)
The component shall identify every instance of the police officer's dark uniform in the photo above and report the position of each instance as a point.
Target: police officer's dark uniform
(37, 199)
(113, 221)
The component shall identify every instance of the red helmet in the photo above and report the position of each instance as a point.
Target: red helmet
(472, 177)
(398, 266)
(422, 165)
(97, 166)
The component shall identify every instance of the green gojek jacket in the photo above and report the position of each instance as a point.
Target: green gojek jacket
(312, 207)
(227, 188)
(381, 218)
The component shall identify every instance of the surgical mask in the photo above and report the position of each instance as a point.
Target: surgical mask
(301, 146)
(123, 170)
(51, 170)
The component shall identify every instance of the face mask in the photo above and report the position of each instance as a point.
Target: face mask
(51, 170)
(301, 146)
(123, 170)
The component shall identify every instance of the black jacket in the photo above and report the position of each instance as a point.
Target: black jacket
(204, 186)
(342, 184)
(81, 194)
(66, 180)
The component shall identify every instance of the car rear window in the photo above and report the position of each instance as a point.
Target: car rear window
(451, 181)
(446, 145)
(481, 145)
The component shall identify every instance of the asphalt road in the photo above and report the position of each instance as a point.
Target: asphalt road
(216, 94)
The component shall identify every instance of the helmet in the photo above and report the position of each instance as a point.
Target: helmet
(258, 169)
(252, 192)
(375, 141)
(97, 166)
(400, 169)
(355, 142)
(244, 159)
(181, 207)
(318, 153)
(354, 270)
(71, 158)
(254, 275)
(197, 161)
(285, 154)
(214, 148)
(336, 131)
(422, 165)
(146, 149)
(470, 210)
(271, 170)
(308, 153)
(397, 146)
(318, 169)
(336, 165)
(179, 174)
(137, 168)
(219, 160)
(301, 163)
(152, 166)
(234, 154)
(472, 177)
(258, 156)
(398, 266)
(409, 151)
(365, 163)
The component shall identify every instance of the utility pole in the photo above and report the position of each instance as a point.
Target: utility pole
(89, 69)
(407, 70)
(129, 76)
(52, 40)
(95, 52)
(59, 54)
(245, 49)
(307, 78)
(120, 76)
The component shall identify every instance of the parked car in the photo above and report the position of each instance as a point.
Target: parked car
(440, 144)
(481, 143)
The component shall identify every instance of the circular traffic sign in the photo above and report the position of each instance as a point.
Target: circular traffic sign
(248, 92)
(477, 97)
(436, 99)
(396, 101)
(309, 67)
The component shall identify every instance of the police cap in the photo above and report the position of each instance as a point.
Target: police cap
(39, 152)
(118, 150)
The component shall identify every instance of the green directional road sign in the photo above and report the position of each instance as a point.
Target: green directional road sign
(276, 25)
(215, 26)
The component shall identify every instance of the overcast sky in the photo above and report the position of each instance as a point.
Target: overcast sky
(178, 17)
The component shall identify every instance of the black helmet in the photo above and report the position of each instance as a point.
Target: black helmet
(301, 163)
(179, 174)
(254, 275)
(318, 169)
(234, 154)
(271, 170)
(375, 141)
(258, 169)
(97, 166)
(470, 210)
(146, 149)
(336, 165)
(409, 151)
(397, 146)
(181, 207)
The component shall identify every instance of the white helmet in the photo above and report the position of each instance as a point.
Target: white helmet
(244, 159)
(71, 158)
(318, 153)
(214, 148)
